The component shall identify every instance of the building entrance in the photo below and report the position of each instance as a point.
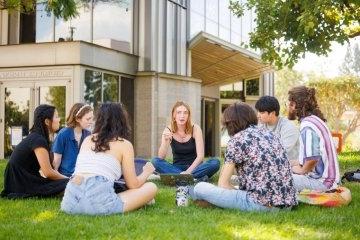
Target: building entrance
(17, 103)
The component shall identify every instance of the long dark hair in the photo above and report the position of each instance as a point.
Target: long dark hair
(41, 113)
(306, 103)
(111, 123)
(237, 117)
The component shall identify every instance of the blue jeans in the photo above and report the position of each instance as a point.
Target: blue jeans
(206, 168)
(92, 195)
(302, 182)
(226, 198)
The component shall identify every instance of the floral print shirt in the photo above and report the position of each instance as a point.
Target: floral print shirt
(262, 167)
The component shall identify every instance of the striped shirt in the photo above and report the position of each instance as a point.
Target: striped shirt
(316, 143)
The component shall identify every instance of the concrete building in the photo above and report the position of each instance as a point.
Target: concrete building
(146, 53)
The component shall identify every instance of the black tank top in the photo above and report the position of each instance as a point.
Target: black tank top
(183, 153)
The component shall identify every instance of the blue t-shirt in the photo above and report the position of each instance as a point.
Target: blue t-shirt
(66, 145)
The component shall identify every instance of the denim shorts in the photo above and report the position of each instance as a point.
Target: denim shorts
(93, 195)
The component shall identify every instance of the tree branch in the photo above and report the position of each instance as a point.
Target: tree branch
(354, 34)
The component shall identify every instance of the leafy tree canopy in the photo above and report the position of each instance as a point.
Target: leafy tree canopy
(287, 29)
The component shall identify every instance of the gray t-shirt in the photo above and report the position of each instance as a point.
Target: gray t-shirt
(288, 134)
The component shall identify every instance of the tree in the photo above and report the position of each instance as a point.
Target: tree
(287, 29)
(65, 9)
(335, 97)
(57, 97)
(351, 64)
(14, 116)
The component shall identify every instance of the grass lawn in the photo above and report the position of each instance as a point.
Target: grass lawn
(41, 219)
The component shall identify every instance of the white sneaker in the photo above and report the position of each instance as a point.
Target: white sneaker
(151, 202)
(153, 177)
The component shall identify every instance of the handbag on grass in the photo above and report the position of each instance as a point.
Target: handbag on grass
(351, 176)
(337, 197)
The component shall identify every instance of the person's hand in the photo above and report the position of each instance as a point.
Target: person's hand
(297, 169)
(148, 168)
(185, 172)
(167, 135)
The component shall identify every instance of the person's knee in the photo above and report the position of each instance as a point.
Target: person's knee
(151, 187)
(155, 161)
(200, 188)
(214, 163)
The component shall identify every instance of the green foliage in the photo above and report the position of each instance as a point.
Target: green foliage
(65, 9)
(287, 29)
(335, 97)
(56, 97)
(42, 219)
(14, 116)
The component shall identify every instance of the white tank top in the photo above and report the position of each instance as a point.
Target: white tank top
(98, 163)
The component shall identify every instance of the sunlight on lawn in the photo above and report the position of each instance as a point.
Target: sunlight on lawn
(277, 232)
(44, 215)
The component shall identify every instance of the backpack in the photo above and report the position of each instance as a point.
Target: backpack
(351, 176)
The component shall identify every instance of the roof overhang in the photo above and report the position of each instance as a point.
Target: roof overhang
(217, 62)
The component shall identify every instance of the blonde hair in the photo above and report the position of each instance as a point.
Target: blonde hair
(188, 125)
(77, 111)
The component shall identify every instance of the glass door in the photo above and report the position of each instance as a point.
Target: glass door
(18, 101)
(16, 114)
(53, 93)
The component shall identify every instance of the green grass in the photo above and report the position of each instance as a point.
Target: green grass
(41, 219)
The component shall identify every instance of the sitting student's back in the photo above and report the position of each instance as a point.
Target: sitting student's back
(103, 157)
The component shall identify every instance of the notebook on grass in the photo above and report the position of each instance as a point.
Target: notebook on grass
(174, 179)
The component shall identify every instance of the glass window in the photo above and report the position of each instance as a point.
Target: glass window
(197, 23)
(110, 88)
(212, 27)
(235, 38)
(44, 24)
(92, 91)
(224, 13)
(113, 20)
(197, 6)
(224, 33)
(246, 26)
(77, 28)
(56, 96)
(100, 87)
(235, 24)
(17, 101)
(212, 10)
(252, 87)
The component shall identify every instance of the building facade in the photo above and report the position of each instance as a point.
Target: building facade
(145, 53)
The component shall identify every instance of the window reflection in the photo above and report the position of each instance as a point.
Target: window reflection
(56, 96)
(215, 17)
(110, 19)
(119, 25)
(44, 24)
(92, 95)
(77, 28)
(110, 88)
(212, 10)
(100, 87)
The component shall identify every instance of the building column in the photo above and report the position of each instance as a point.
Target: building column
(155, 95)
(267, 79)
(4, 17)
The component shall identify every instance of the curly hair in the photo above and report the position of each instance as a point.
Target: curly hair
(111, 124)
(306, 103)
(41, 113)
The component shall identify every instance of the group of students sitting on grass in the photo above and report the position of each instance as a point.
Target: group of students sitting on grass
(272, 160)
